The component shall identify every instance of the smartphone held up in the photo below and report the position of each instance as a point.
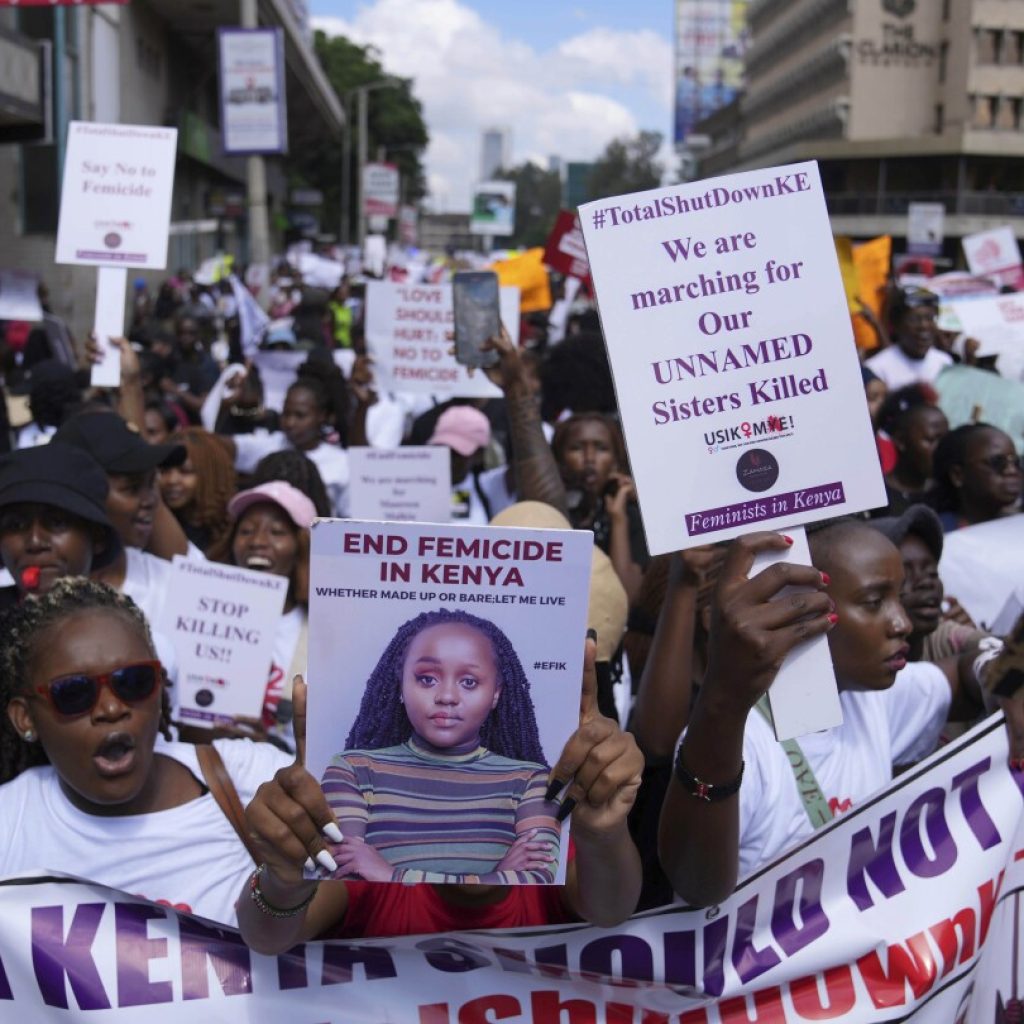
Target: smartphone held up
(477, 317)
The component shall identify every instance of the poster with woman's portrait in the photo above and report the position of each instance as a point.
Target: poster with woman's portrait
(445, 667)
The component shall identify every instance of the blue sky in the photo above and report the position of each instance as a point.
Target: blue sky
(566, 78)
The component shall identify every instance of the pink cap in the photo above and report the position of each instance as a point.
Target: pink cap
(300, 509)
(462, 428)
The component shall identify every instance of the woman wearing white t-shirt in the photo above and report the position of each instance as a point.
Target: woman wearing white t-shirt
(733, 802)
(308, 415)
(270, 533)
(85, 771)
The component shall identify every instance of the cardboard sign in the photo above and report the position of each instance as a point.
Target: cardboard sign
(254, 116)
(221, 620)
(730, 343)
(406, 485)
(995, 254)
(444, 667)
(115, 203)
(409, 336)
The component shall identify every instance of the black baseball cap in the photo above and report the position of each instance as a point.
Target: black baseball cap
(63, 477)
(115, 446)
(919, 520)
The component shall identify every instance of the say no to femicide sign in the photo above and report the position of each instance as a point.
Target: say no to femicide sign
(731, 346)
(409, 335)
(115, 203)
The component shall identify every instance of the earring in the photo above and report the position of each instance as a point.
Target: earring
(29, 736)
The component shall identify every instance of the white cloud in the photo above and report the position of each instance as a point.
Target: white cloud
(569, 102)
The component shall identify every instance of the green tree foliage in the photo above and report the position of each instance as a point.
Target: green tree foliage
(538, 200)
(394, 121)
(627, 165)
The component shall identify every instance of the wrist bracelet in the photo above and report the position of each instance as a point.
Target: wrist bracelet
(704, 790)
(268, 908)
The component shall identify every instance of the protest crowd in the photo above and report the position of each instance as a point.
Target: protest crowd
(233, 428)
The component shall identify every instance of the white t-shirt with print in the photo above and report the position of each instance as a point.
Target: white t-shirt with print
(893, 366)
(188, 857)
(329, 459)
(851, 761)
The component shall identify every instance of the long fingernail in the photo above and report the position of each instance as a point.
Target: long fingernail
(325, 860)
(833, 619)
(826, 579)
(309, 865)
(332, 832)
(568, 805)
(554, 788)
(592, 635)
(787, 538)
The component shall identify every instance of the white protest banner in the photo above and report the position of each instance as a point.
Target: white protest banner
(996, 254)
(19, 296)
(906, 909)
(221, 620)
(407, 485)
(997, 324)
(733, 356)
(115, 203)
(254, 117)
(488, 625)
(108, 322)
(409, 336)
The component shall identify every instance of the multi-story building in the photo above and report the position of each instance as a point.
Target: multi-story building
(495, 152)
(899, 100)
(149, 62)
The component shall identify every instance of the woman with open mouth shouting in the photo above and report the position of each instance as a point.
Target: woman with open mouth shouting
(92, 784)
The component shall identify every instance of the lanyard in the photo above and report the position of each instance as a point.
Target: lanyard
(815, 804)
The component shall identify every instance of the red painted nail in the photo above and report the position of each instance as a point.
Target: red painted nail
(833, 618)
(787, 539)
(826, 579)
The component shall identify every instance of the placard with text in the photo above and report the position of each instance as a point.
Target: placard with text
(407, 485)
(445, 667)
(115, 202)
(409, 336)
(221, 620)
(731, 346)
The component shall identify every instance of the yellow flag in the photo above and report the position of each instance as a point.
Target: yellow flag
(527, 273)
(872, 261)
(851, 280)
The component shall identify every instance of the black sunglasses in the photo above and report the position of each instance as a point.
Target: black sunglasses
(78, 694)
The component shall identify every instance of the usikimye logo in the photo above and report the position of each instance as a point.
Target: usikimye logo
(748, 432)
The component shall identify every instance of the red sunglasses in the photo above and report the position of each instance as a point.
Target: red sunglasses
(78, 694)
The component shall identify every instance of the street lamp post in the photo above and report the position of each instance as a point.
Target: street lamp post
(360, 94)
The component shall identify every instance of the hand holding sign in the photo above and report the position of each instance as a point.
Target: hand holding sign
(288, 817)
(603, 763)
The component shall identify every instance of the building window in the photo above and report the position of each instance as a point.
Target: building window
(981, 114)
(945, 10)
(1014, 41)
(986, 46)
(943, 57)
(1006, 114)
(940, 118)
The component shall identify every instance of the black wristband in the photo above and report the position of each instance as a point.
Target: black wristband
(705, 790)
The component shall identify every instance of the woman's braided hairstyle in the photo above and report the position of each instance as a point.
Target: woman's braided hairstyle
(509, 730)
(21, 628)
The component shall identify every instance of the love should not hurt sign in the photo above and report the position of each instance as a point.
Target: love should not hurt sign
(733, 355)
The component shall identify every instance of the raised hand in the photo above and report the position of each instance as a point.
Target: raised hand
(289, 819)
(601, 764)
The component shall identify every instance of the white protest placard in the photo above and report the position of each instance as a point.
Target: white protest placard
(996, 254)
(221, 620)
(925, 228)
(409, 336)
(115, 203)
(19, 296)
(997, 324)
(406, 485)
(444, 666)
(381, 186)
(254, 115)
(107, 323)
(736, 372)
(733, 356)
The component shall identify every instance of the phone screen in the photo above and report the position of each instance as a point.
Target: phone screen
(475, 300)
